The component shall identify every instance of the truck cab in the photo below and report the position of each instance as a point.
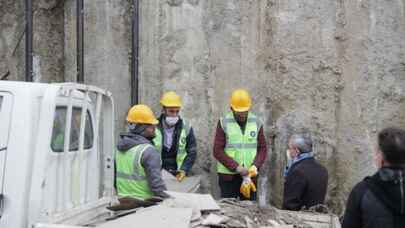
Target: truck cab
(56, 154)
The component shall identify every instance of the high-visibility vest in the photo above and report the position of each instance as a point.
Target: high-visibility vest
(241, 147)
(181, 145)
(130, 177)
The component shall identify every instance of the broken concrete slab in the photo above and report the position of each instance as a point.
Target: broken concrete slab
(167, 176)
(189, 184)
(154, 217)
(202, 202)
(250, 223)
(214, 220)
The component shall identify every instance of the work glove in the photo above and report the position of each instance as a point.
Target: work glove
(242, 171)
(181, 174)
(253, 171)
(247, 187)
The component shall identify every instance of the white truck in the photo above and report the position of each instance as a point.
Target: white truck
(56, 151)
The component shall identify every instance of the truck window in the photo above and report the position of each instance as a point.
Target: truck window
(58, 132)
(1, 101)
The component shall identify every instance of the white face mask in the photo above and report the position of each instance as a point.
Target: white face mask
(287, 153)
(171, 121)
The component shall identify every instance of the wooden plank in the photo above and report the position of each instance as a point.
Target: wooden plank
(153, 217)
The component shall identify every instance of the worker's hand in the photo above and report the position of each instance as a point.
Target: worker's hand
(242, 171)
(253, 171)
(181, 174)
(247, 187)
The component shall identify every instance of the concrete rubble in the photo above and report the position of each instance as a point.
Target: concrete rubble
(247, 214)
(202, 211)
(196, 210)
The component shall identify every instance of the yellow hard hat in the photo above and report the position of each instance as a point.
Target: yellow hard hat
(141, 114)
(240, 100)
(170, 99)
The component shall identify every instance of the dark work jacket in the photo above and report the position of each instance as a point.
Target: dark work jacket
(377, 201)
(169, 154)
(305, 185)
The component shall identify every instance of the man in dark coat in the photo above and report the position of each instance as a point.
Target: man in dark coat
(379, 201)
(306, 180)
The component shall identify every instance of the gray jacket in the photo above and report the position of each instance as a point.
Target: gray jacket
(150, 161)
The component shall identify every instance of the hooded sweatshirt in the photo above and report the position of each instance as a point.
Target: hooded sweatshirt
(377, 201)
(150, 161)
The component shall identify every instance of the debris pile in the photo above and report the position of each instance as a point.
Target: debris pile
(247, 214)
(191, 210)
(232, 213)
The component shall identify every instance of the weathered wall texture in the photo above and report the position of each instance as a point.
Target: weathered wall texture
(372, 60)
(333, 67)
(107, 49)
(48, 40)
(107, 45)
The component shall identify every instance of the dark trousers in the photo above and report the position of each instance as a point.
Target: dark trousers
(230, 187)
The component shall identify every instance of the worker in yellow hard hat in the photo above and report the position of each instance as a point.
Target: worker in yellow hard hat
(138, 165)
(240, 148)
(175, 138)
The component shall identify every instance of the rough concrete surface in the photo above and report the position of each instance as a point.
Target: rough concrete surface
(107, 49)
(11, 39)
(333, 67)
(47, 42)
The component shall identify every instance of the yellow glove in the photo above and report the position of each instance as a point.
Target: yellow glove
(180, 175)
(253, 171)
(252, 186)
(247, 187)
(245, 190)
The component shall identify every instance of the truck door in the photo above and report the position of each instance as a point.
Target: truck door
(72, 170)
(6, 102)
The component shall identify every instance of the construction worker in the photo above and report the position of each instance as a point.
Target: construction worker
(240, 148)
(306, 180)
(379, 200)
(175, 138)
(138, 171)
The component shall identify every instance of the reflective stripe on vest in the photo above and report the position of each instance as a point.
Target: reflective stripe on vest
(242, 147)
(131, 178)
(181, 145)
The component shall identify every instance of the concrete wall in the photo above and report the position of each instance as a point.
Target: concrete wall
(107, 45)
(48, 40)
(107, 49)
(333, 67)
